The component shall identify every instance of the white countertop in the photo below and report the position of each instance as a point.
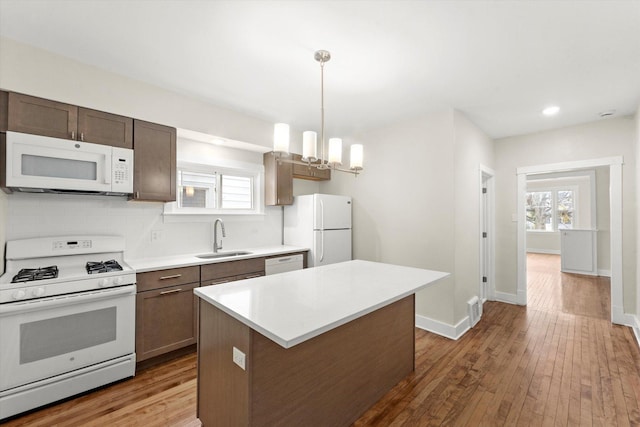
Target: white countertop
(142, 265)
(290, 308)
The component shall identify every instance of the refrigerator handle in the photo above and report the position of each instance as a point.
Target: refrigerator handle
(321, 230)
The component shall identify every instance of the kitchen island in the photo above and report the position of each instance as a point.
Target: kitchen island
(310, 347)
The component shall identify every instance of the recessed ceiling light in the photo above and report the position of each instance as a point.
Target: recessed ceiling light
(551, 110)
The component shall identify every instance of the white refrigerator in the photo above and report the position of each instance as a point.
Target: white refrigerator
(322, 223)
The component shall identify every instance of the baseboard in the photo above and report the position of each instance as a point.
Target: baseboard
(619, 317)
(505, 297)
(443, 329)
(636, 329)
(544, 251)
(605, 273)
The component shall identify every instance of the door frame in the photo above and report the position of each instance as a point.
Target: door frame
(615, 207)
(487, 253)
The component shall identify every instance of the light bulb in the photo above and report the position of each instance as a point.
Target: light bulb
(356, 156)
(335, 151)
(281, 138)
(309, 146)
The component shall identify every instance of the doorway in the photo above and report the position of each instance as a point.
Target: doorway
(615, 208)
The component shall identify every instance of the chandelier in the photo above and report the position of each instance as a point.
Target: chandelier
(329, 159)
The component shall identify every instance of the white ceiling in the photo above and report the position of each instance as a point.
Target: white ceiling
(499, 62)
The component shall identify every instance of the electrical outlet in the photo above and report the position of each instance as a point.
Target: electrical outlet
(239, 358)
(156, 236)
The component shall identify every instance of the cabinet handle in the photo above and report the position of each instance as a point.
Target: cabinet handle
(172, 291)
(219, 282)
(175, 276)
(284, 259)
(82, 136)
(253, 276)
(73, 134)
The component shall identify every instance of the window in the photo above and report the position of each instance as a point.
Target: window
(550, 210)
(564, 209)
(197, 190)
(211, 190)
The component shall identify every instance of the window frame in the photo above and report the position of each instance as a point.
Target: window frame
(554, 205)
(233, 168)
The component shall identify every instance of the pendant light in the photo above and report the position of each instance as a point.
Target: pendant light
(333, 158)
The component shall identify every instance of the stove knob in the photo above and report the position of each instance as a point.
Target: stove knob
(103, 282)
(117, 281)
(19, 294)
(37, 292)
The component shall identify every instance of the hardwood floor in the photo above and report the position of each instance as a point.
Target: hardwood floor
(558, 361)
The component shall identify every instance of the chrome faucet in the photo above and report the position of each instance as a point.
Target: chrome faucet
(215, 235)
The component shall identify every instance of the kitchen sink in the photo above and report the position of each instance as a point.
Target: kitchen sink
(222, 254)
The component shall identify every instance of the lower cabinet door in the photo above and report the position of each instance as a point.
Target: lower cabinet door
(166, 320)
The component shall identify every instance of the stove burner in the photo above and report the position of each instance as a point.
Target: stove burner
(103, 266)
(29, 274)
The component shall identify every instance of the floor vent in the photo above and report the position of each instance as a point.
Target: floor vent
(474, 309)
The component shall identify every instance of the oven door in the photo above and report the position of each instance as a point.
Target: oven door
(46, 337)
(35, 161)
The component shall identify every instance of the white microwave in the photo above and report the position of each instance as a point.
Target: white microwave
(37, 163)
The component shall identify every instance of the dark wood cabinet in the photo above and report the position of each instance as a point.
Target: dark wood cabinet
(223, 272)
(166, 311)
(154, 145)
(4, 110)
(309, 172)
(154, 162)
(278, 186)
(99, 127)
(39, 116)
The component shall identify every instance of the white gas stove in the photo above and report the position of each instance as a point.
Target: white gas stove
(52, 266)
(67, 319)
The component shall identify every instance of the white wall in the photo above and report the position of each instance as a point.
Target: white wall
(637, 148)
(603, 138)
(36, 72)
(44, 74)
(417, 204)
(402, 202)
(472, 149)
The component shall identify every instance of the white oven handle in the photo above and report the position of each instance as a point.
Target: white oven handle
(62, 300)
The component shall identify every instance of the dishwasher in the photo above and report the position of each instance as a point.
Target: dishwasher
(283, 264)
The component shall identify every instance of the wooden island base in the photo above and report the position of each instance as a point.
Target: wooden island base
(327, 380)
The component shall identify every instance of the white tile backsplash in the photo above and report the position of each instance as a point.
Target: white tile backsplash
(38, 215)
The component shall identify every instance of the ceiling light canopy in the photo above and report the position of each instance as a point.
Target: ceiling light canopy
(607, 113)
(551, 110)
(309, 139)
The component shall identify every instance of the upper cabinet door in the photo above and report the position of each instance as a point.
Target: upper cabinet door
(154, 148)
(278, 185)
(99, 127)
(39, 116)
